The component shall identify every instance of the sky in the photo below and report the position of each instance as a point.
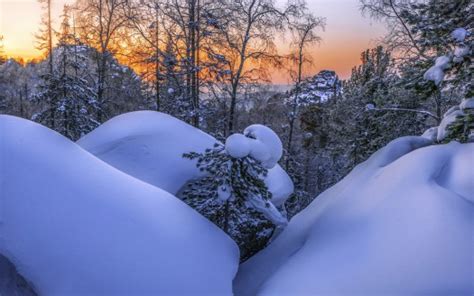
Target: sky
(346, 35)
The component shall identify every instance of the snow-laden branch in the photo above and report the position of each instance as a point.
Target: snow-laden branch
(397, 109)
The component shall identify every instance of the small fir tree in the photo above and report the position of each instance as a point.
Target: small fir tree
(233, 195)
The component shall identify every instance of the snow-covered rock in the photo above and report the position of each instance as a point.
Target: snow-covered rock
(319, 88)
(149, 146)
(74, 225)
(400, 223)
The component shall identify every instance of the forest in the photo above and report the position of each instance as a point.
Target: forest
(209, 64)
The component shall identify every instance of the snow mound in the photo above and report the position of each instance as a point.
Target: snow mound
(74, 225)
(399, 224)
(149, 146)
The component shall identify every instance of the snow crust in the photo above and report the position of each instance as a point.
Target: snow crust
(74, 225)
(400, 223)
(149, 146)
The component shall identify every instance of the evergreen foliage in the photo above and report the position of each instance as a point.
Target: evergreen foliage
(223, 194)
(462, 129)
(69, 99)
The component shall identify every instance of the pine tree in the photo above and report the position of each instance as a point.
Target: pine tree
(233, 195)
(67, 92)
(3, 56)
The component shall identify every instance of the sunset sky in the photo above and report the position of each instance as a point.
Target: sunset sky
(347, 32)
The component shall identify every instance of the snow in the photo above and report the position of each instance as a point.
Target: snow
(224, 192)
(459, 34)
(431, 134)
(460, 52)
(399, 224)
(267, 146)
(258, 141)
(74, 225)
(237, 146)
(280, 184)
(11, 283)
(467, 104)
(149, 146)
(269, 210)
(436, 72)
(451, 110)
(447, 120)
(370, 106)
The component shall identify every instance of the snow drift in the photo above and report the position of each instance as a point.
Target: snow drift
(150, 145)
(400, 223)
(73, 225)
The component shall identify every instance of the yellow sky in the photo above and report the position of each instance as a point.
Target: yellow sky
(347, 32)
(19, 20)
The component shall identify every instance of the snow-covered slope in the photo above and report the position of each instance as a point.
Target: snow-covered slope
(402, 223)
(149, 146)
(74, 225)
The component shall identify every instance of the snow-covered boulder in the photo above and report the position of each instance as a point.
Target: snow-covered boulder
(149, 146)
(74, 225)
(400, 223)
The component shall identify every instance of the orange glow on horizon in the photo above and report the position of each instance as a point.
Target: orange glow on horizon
(347, 34)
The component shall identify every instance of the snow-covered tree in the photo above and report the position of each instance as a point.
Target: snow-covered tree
(232, 193)
(452, 69)
(3, 56)
(67, 93)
